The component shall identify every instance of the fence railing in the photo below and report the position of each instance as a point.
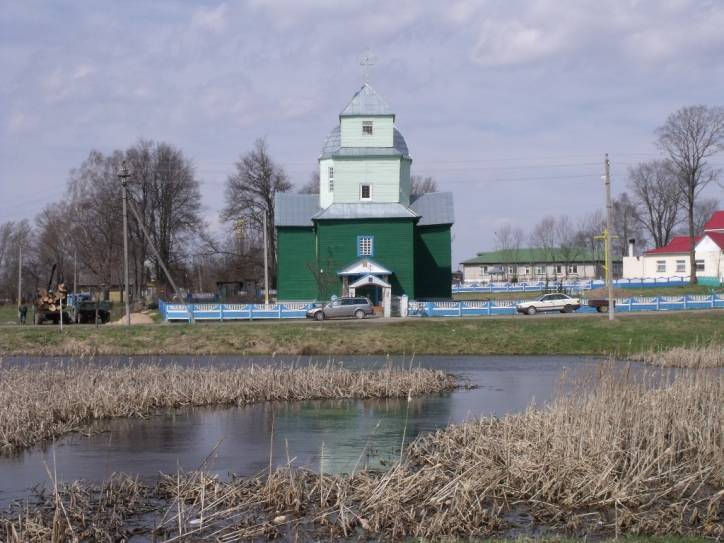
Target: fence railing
(227, 312)
(625, 305)
(297, 310)
(538, 286)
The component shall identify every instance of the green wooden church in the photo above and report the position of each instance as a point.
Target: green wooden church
(364, 234)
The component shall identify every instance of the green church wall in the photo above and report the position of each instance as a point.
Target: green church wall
(295, 253)
(393, 247)
(433, 261)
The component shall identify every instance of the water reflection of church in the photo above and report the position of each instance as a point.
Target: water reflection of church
(364, 234)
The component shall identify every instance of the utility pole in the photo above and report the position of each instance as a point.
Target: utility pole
(266, 265)
(123, 175)
(20, 278)
(75, 279)
(609, 225)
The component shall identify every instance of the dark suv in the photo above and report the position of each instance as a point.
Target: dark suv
(342, 308)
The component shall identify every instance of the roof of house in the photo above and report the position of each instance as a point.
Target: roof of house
(536, 255)
(716, 222)
(716, 237)
(367, 210)
(677, 245)
(434, 208)
(295, 209)
(366, 101)
(333, 146)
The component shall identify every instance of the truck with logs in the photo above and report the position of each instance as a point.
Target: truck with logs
(52, 305)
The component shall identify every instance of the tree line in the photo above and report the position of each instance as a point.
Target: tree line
(82, 230)
(663, 197)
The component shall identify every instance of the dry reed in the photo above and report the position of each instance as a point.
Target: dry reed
(618, 454)
(44, 402)
(708, 355)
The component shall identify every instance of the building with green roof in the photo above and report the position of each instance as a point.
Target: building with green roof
(536, 264)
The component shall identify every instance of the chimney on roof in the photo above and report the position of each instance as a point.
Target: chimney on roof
(631, 243)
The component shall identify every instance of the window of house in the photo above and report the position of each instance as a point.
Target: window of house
(559, 268)
(483, 269)
(573, 268)
(540, 270)
(365, 192)
(680, 266)
(331, 179)
(700, 265)
(511, 269)
(527, 270)
(365, 246)
(367, 128)
(661, 266)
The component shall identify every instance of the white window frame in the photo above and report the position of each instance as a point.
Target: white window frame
(366, 246)
(540, 270)
(367, 125)
(681, 266)
(361, 191)
(661, 266)
(558, 269)
(700, 265)
(573, 268)
(330, 177)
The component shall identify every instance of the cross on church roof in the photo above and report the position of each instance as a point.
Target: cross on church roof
(366, 61)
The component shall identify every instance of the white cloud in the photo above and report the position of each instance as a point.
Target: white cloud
(213, 19)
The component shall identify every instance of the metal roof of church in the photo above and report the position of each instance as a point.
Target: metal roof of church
(333, 146)
(366, 101)
(434, 207)
(295, 209)
(369, 210)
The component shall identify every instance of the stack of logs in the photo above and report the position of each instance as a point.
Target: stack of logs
(50, 300)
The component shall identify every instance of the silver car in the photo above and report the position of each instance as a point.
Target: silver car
(342, 308)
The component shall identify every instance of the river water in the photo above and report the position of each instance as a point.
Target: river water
(332, 435)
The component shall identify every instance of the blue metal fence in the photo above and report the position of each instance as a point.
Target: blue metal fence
(538, 286)
(623, 305)
(227, 312)
(297, 310)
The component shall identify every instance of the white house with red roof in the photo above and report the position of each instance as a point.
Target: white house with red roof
(672, 260)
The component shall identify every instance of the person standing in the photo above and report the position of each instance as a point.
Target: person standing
(23, 313)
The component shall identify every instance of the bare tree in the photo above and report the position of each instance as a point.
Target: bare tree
(544, 236)
(657, 197)
(422, 185)
(590, 226)
(13, 237)
(250, 194)
(688, 137)
(94, 200)
(626, 224)
(703, 210)
(508, 241)
(567, 241)
(311, 186)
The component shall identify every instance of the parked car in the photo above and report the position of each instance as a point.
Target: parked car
(549, 302)
(342, 308)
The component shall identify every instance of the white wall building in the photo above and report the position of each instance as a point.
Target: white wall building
(672, 260)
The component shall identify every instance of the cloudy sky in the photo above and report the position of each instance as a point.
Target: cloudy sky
(508, 104)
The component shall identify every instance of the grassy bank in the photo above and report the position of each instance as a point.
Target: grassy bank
(612, 457)
(39, 403)
(585, 334)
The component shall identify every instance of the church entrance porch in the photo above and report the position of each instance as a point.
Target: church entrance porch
(367, 278)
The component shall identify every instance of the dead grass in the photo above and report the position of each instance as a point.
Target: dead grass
(620, 454)
(709, 355)
(37, 404)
